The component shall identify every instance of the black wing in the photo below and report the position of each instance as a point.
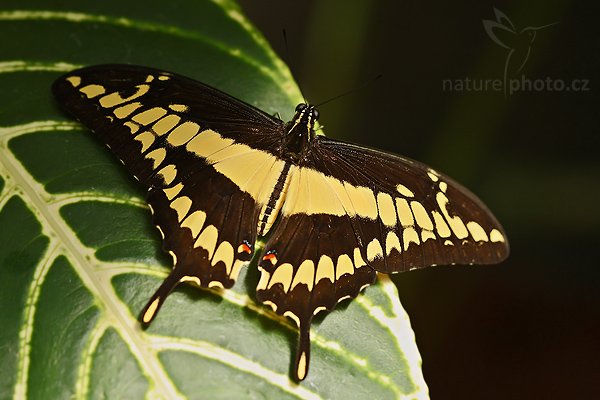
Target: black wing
(203, 155)
(351, 211)
(414, 216)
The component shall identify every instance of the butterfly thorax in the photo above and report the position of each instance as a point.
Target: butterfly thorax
(298, 133)
(295, 148)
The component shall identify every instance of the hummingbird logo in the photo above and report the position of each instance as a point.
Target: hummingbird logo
(518, 43)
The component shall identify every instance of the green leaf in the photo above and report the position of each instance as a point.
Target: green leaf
(79, 257)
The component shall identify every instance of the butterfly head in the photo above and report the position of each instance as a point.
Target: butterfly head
(299, 132)
(306, 116)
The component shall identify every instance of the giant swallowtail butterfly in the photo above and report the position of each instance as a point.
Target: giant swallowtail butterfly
(221, 173)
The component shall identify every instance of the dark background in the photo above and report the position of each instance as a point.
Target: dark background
(528, 328)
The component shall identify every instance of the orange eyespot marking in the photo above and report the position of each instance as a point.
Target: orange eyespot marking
(244, 248)
(270, 257)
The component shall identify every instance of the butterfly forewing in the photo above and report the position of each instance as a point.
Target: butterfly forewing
(406, 214)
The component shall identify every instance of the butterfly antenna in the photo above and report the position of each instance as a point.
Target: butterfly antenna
(363, 85)
(289, 59)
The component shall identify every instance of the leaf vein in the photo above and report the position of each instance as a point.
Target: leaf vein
(76, 17)
(232, 360)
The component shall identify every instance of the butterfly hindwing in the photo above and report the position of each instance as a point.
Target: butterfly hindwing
(310, 264)
(208, 226)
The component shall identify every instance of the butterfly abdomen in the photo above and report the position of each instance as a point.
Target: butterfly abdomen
(270, 210)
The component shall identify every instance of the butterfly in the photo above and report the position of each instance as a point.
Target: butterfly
(221, 173)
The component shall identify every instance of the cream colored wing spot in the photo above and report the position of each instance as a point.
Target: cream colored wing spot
(126, 110)
(115, 99)
(325, 269)
(149, 78)
(301, 371)
(173, 256)
(496, 236)
(168, 173)
(233, 160)
(157, 156)
(224, 253)
(387, 211)
(410, 236)
(270, 304)
(374, 250)
(361, 205)
(208, 143)
(162, 234)
(191, 279)
(456, 224)
(344, 298)
(305, 274)
(92, 91)
(181, 205)
(74, 80)
(344, 266)
(146, 138)
(231, 157)
(319, 309)
(208, 240)
(304, 185)
(362, 200)
(477, 232)
(237, 267)
(342, 196)
(229, 151)
(183, 133)
(149, 116)
(283, 274)
(443, 186)
(216, 284)
(246, 172)
(317, 193)
(392, 242)
(164, 77)
(178, 107)
(264, 279)
(363, 287)
(433, 175)
(165, 124)
(173, 191)
(404, 191)
(421, 215)
(292, 316)
(404, 212)
(132, 127)
(448, 243)
(426, 235)
(149, 314)
(358, 260)
(440, 225)
(194, 222)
